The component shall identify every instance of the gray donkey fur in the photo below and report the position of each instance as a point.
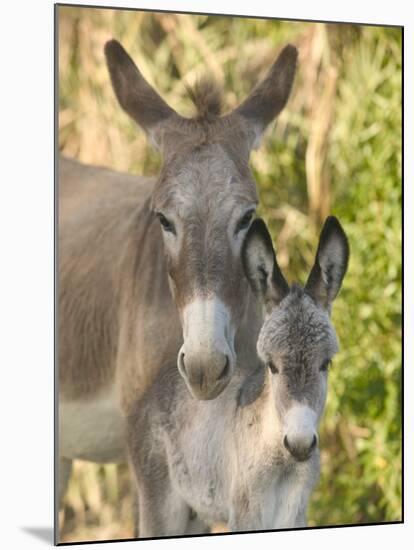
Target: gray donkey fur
(249, 458)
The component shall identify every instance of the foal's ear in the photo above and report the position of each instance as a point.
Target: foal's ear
(135, 95)
(260, 265)
(270, 96)
(330, 265)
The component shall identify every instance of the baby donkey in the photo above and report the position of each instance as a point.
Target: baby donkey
(250, 457)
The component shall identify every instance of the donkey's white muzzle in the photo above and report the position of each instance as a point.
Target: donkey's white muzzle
(206, 359)
(300, 436)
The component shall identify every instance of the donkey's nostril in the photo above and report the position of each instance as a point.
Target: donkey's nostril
(181, 363)
(285, 443)
(313, 444)
(225, 370)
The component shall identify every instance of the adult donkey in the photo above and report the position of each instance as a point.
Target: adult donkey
(149, 269)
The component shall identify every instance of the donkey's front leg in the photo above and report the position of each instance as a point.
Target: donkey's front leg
(162, 512)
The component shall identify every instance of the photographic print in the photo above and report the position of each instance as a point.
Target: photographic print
(228, 274)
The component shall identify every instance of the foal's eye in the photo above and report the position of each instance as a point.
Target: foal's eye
(244, 222)
(325, 366)
(272, 367)
(166, 224)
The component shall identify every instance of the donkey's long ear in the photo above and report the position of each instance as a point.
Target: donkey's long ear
(134, 93)
(330, 265)
(270, 96)
(260, 265)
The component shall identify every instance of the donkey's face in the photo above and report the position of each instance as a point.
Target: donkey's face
(205, 205)
(205, 199)
(297, 340)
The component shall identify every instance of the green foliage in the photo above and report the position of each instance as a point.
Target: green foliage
(361, 481)
(359, 155)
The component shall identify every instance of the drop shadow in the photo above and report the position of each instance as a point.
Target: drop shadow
(43, 533)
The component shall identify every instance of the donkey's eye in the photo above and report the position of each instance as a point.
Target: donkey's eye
(325, 365)
(272, 367)
(166, 224)
(244, 222)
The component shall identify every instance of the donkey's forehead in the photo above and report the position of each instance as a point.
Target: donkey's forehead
(298, 325)
(204, 174)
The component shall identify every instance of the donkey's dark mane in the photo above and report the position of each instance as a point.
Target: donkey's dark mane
(207, 97)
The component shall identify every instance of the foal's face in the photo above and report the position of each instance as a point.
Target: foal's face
(297, 343)
(297, 340)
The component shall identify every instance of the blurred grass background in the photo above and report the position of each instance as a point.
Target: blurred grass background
(336, 148)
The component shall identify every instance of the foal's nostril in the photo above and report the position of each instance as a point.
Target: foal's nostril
(225, 370)
(299, 452)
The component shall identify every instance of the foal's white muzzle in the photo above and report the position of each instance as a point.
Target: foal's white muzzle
(206, 359)
(300, 435)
